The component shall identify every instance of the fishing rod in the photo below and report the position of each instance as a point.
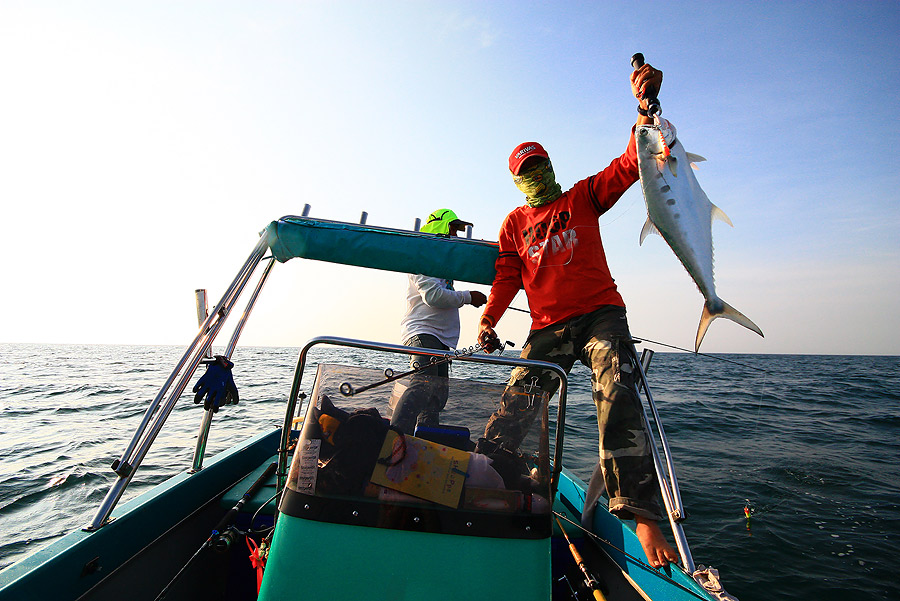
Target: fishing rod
(223, 534)
(347, 389)
(646, 567)
(640, 339)
(592, 583)
(220, 540)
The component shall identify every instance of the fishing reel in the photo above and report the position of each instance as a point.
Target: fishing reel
(222, 541)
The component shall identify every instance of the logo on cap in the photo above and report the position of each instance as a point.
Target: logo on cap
(525, 150)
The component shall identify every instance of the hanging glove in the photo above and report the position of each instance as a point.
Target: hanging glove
(216, 385)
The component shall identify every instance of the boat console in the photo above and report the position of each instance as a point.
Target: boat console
(387, 461)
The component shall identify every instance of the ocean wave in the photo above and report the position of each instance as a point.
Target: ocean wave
(32, 490)
(810, 442)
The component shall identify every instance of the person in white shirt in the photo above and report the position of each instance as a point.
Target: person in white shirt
(431, 321)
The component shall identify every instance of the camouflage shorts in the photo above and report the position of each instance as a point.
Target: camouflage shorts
(601, 341)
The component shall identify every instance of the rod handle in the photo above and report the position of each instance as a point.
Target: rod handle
(637, 61)
(653, 107)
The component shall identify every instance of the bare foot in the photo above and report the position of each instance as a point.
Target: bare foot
(656, 548)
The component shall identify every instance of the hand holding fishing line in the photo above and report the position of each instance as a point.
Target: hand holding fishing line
(478, 298)
(487, 337)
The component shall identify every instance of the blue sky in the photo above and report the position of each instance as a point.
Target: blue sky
(144, 145)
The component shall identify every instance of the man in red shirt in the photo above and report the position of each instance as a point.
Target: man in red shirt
(552, 248)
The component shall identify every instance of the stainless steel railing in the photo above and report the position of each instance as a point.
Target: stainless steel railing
(161, 406)
(295, 395)
(668, 483)
(206, 422)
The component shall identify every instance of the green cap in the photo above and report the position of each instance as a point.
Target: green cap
(440, 221)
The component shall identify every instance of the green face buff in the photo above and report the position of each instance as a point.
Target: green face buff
(538, 184)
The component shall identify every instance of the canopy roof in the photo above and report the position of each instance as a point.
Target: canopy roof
(383, 248)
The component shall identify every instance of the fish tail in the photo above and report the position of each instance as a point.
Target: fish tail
(727, 311)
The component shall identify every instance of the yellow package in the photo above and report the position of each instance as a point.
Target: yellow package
(421, 468)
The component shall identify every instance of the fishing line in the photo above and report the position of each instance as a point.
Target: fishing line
(765, 509)
(550, 250)
(762, 392)
(678, 348)
(624, 212)
(256, 513)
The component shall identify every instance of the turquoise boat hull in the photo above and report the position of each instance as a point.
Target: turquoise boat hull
(150, 538)
(154, 535)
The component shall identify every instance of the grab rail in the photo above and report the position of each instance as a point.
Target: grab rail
(668, 483)
(128, 463)
(206, 422)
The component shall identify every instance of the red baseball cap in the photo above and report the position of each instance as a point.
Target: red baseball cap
(524, 151)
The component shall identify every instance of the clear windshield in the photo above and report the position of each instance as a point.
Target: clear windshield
(414, 442)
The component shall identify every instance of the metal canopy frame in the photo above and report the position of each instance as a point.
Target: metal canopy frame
(161, 406)
(460, 250)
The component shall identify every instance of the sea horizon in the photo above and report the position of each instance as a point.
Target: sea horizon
(667, 348)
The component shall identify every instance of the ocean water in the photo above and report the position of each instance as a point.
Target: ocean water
(810, 443)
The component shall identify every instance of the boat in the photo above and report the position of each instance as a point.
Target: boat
(341, 503)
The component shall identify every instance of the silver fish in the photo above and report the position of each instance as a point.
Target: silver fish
(679, 210)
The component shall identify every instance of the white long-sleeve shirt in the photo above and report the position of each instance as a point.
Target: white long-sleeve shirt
(432, 307)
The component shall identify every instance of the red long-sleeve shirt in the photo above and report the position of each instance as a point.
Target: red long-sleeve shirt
(555, 251)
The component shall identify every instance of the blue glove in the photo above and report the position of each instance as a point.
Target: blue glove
(216, 385)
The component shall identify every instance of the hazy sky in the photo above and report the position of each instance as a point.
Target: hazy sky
(143, 146)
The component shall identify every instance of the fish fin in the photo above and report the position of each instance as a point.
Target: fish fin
(694, 158)
(672, 162)
(728, 312)
(648, 229)
(719, 214)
